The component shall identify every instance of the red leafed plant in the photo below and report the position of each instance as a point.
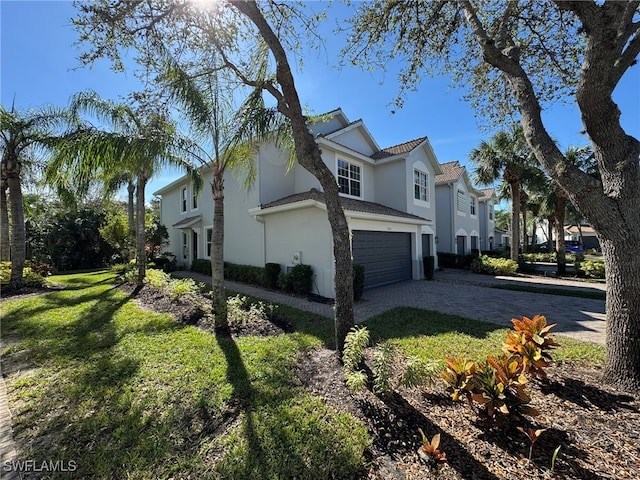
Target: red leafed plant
(531, 341)
(533, 435)
(429, 451)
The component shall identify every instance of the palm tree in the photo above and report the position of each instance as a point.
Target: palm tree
(139, 143)
(23, 136)
(5, 246)
(505, 155)
(226, 140)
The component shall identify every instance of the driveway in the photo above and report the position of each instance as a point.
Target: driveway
(465, 294)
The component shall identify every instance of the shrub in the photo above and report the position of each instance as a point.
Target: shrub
(201, 265)
(428, 264)
(29, 277)
(271, 272)
(157, 279)
(493, 266)
(182, 286)
(358, 281)
(166, 261)
(383, 359)
(453, 260)
(530, 341)
(285, 281)
(242, 312)
(302, 278)
(592, 268)
(40, 268)
(539, 257)
(244, 273)
(354, 344)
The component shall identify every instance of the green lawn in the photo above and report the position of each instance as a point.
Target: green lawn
(131, 394)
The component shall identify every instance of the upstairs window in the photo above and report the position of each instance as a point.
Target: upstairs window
(420, 186)
(490, 212)
(349, 178)
(183, 200)
(461, 202)
(209, 238)
(194, 199)
(472, 205)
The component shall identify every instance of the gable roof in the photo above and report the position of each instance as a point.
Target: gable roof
(349, 204)
(487, 193)
(398, 149)
(451, 172)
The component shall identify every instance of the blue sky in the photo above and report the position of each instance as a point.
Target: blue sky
(38, 66)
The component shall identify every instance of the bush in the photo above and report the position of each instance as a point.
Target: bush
(493, 266)
(302, 279)
(201, 265)
(157, 278)
(242, 312)
(428, 264)
(453, 260)
(592, 268)
(183, 286)
(539, 257)
(29, 277)
(42, 269)
(166, 262)
(358, 281)
(285, 281)
(271, 272)
(244, 273)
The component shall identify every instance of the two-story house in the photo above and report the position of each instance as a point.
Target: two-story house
(486, 218)
(457, 210)
(388, 195)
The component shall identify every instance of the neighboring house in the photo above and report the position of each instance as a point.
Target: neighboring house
(486, 218)
(502, 237)
(583, 233)
(457, 210)
(388, 196)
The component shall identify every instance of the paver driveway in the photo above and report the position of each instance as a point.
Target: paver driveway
(579, 318)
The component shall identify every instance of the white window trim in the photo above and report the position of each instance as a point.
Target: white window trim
(184, 200)
(208, 244)
(360, 166)
(195, 198)
(417, 201)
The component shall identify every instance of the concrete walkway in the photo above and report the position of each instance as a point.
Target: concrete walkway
(464, 293)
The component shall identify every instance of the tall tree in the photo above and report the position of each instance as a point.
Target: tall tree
(139, 142)
(504, 156)
(518, 56)
(22, 137)
(5, 244)
(236, 30)
(224, 134)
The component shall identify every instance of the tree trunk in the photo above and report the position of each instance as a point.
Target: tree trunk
(5, 244)
(219, 299)
(515, 219)
(561, 208)
(524, 229)
(309, 156)
(622, 266)
(131, 220)
(18, 235)
(551, 225)
(141, 256)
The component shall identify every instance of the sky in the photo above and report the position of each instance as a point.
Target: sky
(39, 66)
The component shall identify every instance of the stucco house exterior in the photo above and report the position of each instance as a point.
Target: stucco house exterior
(486, 218)
(388, 196)
(457, 210)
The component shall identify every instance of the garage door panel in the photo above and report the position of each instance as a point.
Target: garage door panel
(386, 256)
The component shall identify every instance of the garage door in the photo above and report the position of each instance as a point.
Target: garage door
(386, 256)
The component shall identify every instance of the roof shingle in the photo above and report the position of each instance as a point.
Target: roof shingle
(451, 171)
(399, 149)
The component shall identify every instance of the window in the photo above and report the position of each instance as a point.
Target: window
(420, 186)
(183, 200)
(194, 201)
(209, 237)
(472, 205)
(185, 246)
(349, 178)
(461, 202)
(490, 212)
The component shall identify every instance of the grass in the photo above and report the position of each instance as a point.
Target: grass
(131, 394)
(566, 292)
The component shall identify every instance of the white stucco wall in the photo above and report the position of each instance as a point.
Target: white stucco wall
(355, 140)
(274, 179)
(390, 185)
(306, 231)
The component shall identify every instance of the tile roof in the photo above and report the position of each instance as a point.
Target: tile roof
(451, 171)
(399, 149)
(187, 221)
(487, 193)
(350, 204)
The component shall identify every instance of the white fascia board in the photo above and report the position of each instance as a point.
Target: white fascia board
(286, 207)
(346, 150)
(180, 181)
